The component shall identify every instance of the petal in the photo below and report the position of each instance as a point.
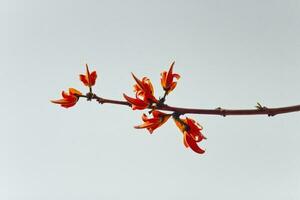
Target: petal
(66, 102)
(170, 74)
(184, 140)
(145, 125)
(163, 79)
(139, 83)
(177, 76)
(172, 87)
(93, 78)
(74, 91)
(68, 105)
(88, 73)
(136, 103)
(84, 79)
(157, 113)
(64, 94)
(179, 124)
(192, 143)
(60, 101)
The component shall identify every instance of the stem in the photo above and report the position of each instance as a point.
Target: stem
(217, 111)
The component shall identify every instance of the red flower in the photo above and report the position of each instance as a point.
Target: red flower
(191, 133)
(89, 79)
(159, 118)
(136, 104)
(144, 93)
(167, 81)
(68, 100)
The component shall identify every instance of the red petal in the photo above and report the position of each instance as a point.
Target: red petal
(177, 76)
(93, 78)
(192, 143)
(66, 102)
(170, 75)
(138, 81)
(84, 80)
(136, 103)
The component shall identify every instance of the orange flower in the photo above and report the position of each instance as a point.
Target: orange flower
(68, 100)
(89, 79)
(159, 118)
(191, 133)
(144, 93)
(144, 89)
(167, 81)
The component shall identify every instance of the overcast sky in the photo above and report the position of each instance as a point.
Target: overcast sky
(230, 54)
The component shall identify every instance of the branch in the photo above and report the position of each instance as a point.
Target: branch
(260, 110)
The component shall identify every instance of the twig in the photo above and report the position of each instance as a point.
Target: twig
(260, 110)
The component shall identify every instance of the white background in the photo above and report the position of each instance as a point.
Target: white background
(229, 53)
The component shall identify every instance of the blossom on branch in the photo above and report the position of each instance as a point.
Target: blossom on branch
(89, 79)
(191, 133)
(167, 79)
(144, 93)
(69, 99)
(159, 118)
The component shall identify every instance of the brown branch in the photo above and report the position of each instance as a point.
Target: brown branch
(260, 110)
(225, 112)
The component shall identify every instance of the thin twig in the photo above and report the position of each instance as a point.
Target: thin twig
(261, 110)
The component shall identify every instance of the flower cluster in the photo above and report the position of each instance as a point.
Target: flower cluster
(145, 99)
(69, 100)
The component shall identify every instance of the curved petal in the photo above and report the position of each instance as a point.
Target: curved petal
(136, 103)
(192, 143)
(74, 91)
(177, 76)
(172, 87)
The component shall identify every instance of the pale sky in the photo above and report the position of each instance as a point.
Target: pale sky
(230, 54)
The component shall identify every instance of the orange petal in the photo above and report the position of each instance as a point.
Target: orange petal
(163, 79)
(74, 91)
(172, 87)
(180, 125)
(145, 125)
(66, 102)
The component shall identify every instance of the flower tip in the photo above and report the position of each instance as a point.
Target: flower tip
(173, 63)
(132, 74)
